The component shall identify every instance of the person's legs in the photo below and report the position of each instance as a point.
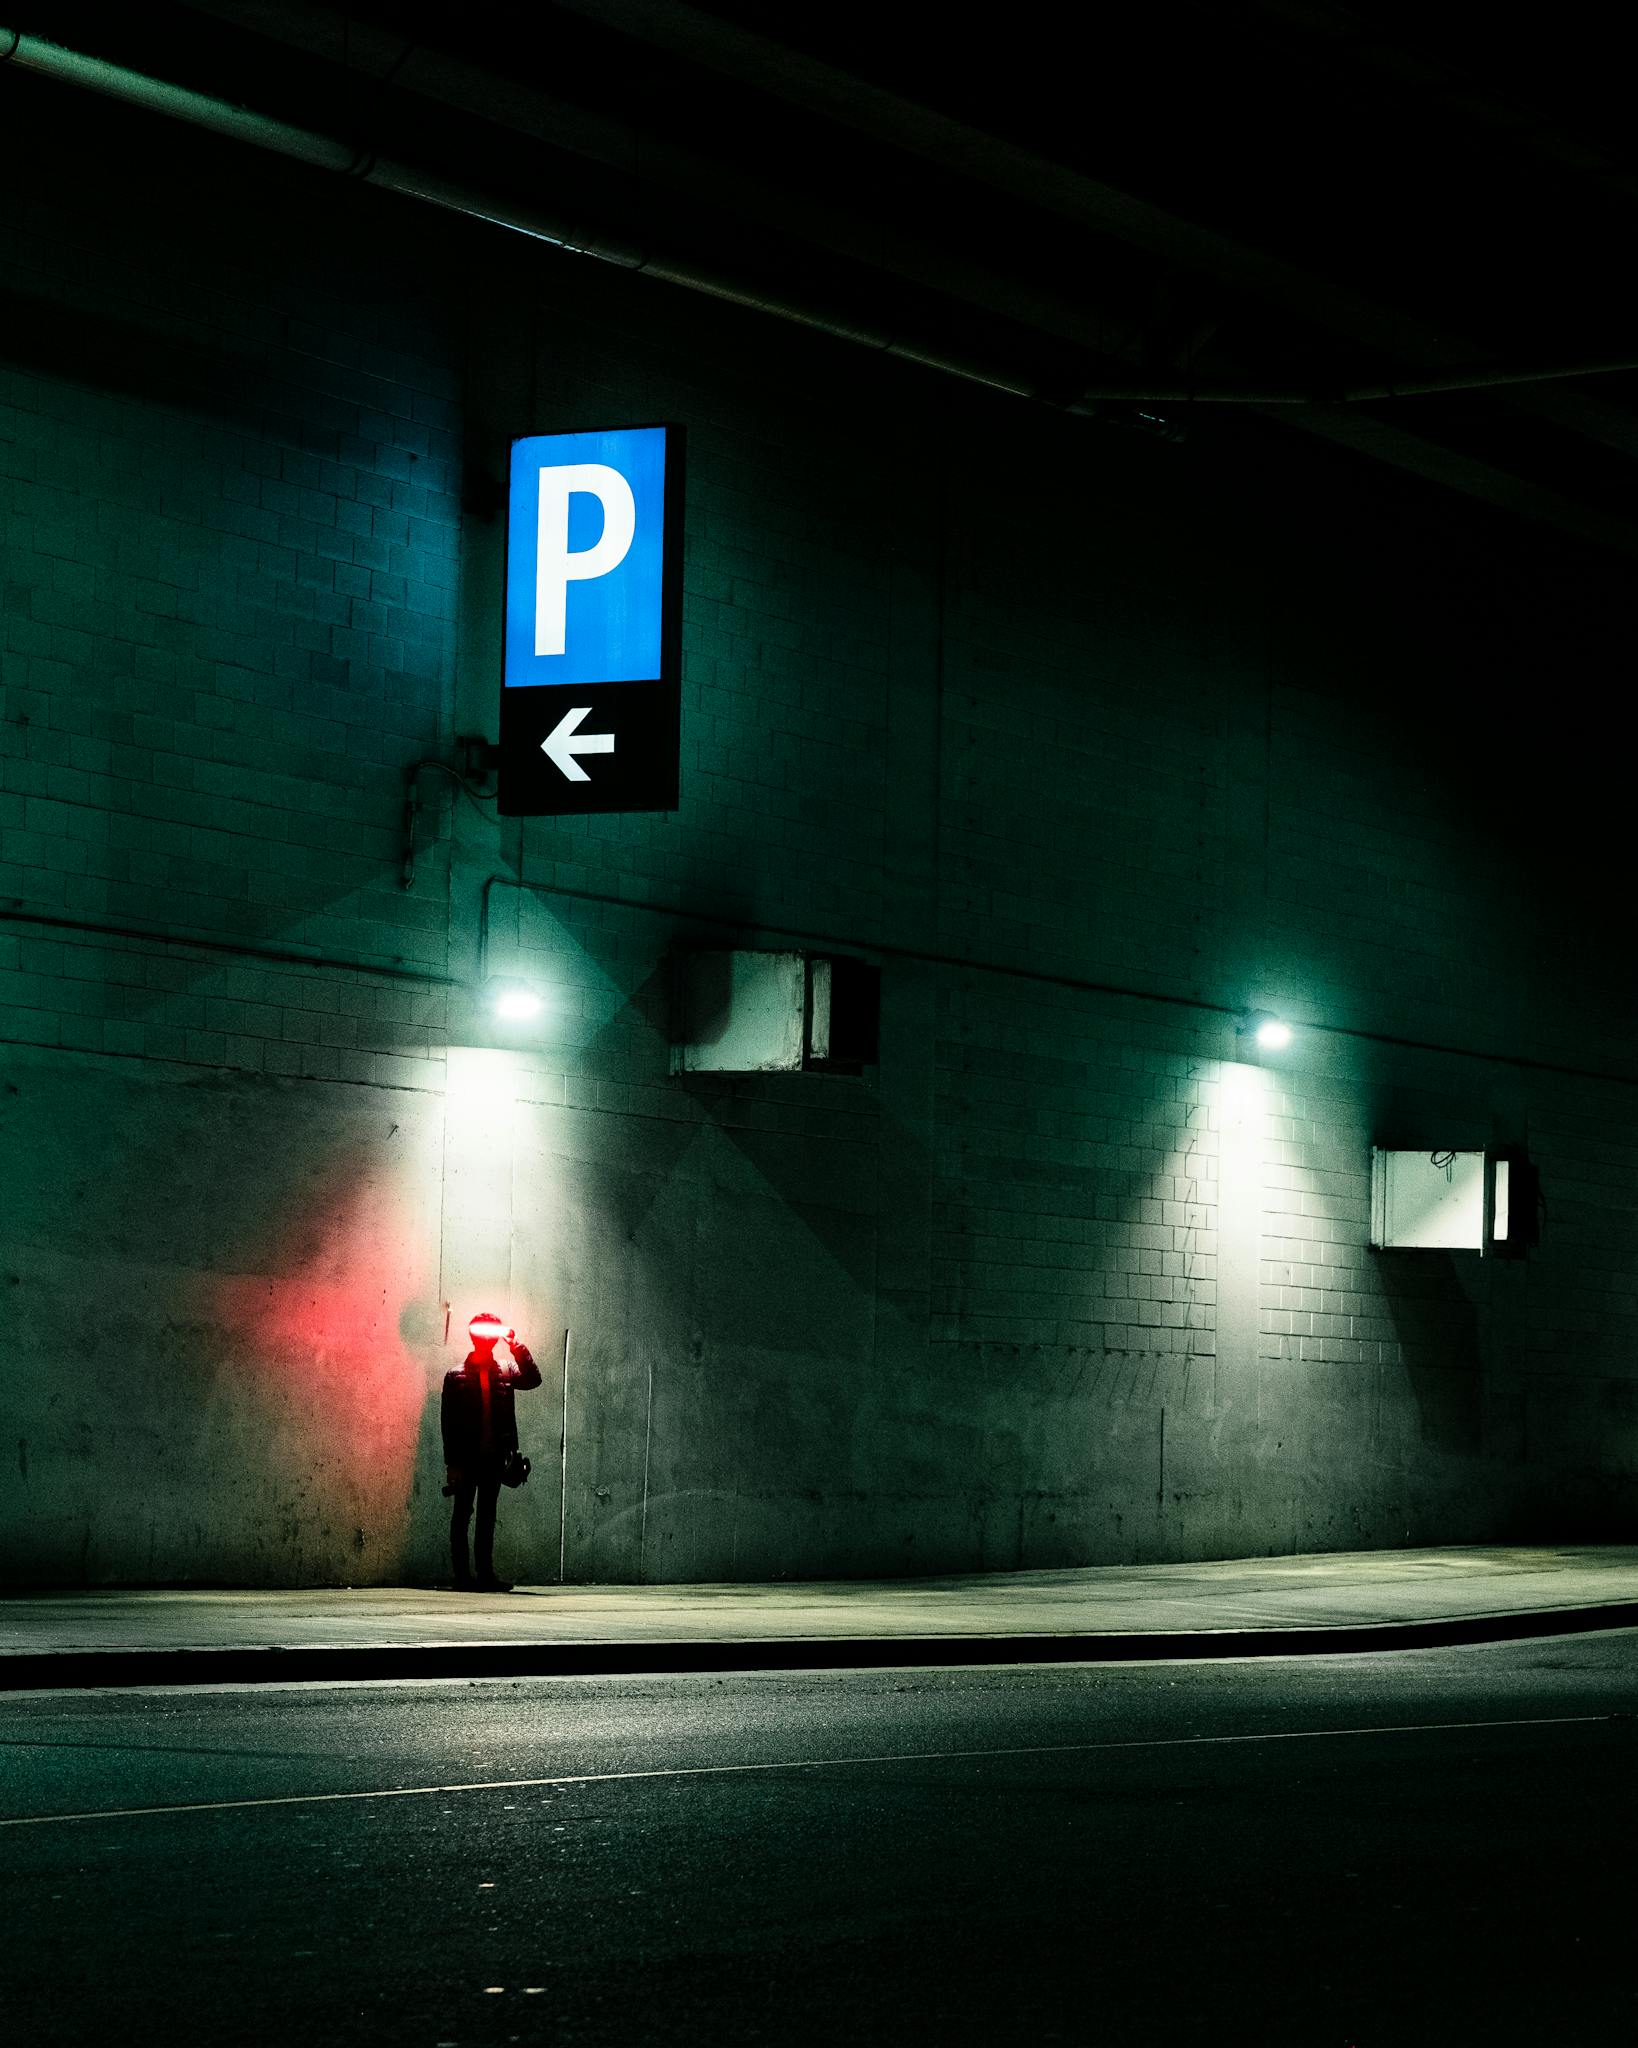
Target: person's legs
(459, 1517)
(488, 1497)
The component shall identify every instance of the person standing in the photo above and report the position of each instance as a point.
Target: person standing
(480, 1432)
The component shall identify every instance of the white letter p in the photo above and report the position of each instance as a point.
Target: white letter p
(555, 567)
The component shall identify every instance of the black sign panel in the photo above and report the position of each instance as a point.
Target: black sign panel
(592, 747)
(590, 687)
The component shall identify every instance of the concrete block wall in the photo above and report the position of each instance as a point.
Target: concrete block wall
(232, 550)
(1091, 742)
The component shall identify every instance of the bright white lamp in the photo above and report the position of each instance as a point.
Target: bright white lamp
(1266, 1031)
(514, 1001)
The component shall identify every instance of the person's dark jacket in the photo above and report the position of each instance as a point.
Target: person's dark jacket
(461, 1412)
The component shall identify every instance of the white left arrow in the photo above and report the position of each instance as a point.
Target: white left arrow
(565, 740)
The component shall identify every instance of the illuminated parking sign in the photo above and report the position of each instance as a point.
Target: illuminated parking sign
(589, 690)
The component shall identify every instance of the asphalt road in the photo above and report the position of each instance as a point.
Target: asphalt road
(1359, 1852)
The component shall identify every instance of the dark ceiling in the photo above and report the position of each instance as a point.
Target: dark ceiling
(1276, 205)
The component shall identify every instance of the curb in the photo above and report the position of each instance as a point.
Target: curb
(65, 1669)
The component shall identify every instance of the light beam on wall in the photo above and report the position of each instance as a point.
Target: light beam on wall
(1241, 1114)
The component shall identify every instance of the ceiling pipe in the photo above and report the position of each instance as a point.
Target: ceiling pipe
(1227, 391)
(785, 73)
(241, 124)
(323, 152)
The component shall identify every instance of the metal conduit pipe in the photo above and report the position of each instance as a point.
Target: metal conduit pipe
(242, 124)
(222, 117)
(33, 53)
(1229, 391)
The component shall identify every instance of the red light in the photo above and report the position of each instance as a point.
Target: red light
(326, 1342)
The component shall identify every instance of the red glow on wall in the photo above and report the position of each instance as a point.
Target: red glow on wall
(319, 1339)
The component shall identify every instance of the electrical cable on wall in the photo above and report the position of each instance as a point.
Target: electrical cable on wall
(412, 804)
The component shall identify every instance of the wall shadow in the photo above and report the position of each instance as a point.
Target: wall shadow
(1436, 1325)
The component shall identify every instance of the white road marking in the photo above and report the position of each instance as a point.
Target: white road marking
(816, 1763)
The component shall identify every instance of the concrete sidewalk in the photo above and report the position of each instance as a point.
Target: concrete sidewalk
(1366, 1600)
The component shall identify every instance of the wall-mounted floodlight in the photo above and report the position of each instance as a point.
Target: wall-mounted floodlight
(516, 1002)
(1266, 1031)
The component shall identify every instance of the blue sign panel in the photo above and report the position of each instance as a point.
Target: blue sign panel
(585, 559)
(593, 607)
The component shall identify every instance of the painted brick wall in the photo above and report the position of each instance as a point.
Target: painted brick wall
(1091, 741)
(231, 557)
